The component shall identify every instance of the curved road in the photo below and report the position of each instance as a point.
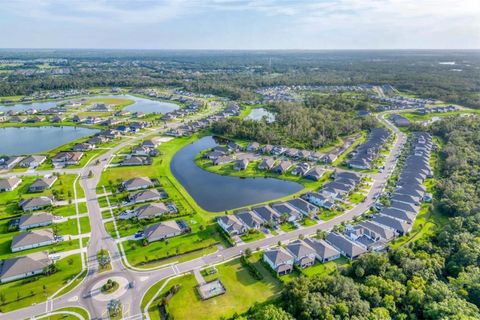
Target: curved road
(132, 298)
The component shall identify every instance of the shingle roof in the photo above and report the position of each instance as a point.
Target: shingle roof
(162, 229)
(300, 249)
(32, 237)
(25, 264)
(35, 218)
(278, 256)
(151, 210)
(322, 248)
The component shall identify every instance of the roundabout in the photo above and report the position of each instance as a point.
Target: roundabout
(119, 288)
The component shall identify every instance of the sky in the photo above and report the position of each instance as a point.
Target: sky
(240, 24)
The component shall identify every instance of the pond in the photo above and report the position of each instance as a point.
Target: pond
(30, 140)
(217, 193)
(140, 105)
(258, 113)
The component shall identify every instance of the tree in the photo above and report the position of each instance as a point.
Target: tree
(272, 312)
(248, 252)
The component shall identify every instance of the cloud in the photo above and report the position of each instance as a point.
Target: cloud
(291, 23)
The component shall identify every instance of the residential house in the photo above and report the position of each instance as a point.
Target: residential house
(151, 210)
(136, 161)
(344, 245)
(42, 184)
(285, 209)
(67, 158)
(145, 195)
(279, 260)
(400, 227)
(250, 220)
(32, 161)
(36, 203)
(32, 239)
(164, 230)
(267, 214)
(282, 167)
(303, 206)
(222, 160)
(9, 162)
(231, 225)
(304, 255)
(241, 165)
(33, 220)
(253, 147)
(137, 184)
(83, 147)
(320, 200)
(314, 174)
(9, 184)
(323, 251)
(266, 164)
(24, 266)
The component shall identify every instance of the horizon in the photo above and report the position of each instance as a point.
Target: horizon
(241, 25)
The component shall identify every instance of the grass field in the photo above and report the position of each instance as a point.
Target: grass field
(242, 290)
(143, 256)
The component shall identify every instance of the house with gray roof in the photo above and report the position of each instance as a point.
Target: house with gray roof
(283, 208)
(8, 162)
(323, 251)
(398, 214)
(319, 199)
(164, 230)
(36, 203)
(266, 164)
(24, 266)
(231, 225)
(407, 207)
(377, 231)
(33, 220)
(9, 184)
(282, 167)
(32, 161)
(279, 260)
(137, 184)
(249, 219)
(32, 239)
(145, 195)
(67, 158)
(304, 254)
(400, 227)
(241, 165)
(314, 174)
(345, 246)
(303, 206)
(267, 214)
(42, 184)
(151, 210)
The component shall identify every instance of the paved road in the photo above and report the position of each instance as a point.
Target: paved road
(131, 300)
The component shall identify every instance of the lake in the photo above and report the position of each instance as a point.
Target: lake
(140, 105)
(30, 140)
(258, 113)
(215, 192)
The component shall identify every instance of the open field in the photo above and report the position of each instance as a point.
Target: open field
(242, 290)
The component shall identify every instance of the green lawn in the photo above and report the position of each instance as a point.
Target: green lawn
(326, 268)
(22, 293)
(242, 291)
(287, 227)
(250, 237)
(145, 256)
